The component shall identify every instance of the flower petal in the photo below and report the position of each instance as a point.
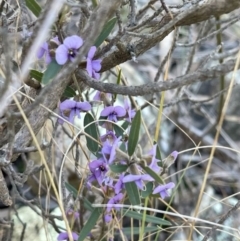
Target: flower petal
(92, 52)
(73, 42)
(96, 64)
(84, 106)
(89, 67)
(147, 177)
(107, 111)
(164, 187)
(61, 54)
(67, 104)
(131, 178)
(62, 236)
(120, 111)
(72, 115)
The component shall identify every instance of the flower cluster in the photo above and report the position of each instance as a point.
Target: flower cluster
(112, 143)
(100, 169)
(68, 50)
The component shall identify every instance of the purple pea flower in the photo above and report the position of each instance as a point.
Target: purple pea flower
(111, 204)
(162, 189)
(74, 107)
(138, 179)
(64, 236)
(44, 51)
(119, 184)
(68, 50)
(153, 165)
(114, 200)
(98, 169)
(113, 112)
(109, 151)
(130, 113)
(93, 66)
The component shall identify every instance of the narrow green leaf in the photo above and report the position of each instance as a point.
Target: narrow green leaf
(108, 27)
(92, 131)
(135, 230)
(153, 174)
(149, 218)
(118, 168)
(134, 133)
(36, 75)
(118, 130)
(71, 189)
(33, 7)
(89, 224)
(158, 154)
(52, 70)
(133, 193)
(148, 191)
(69, 92)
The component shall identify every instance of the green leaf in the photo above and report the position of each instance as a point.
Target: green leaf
(88, 226)
(69, 92)
(134, 133)
(51, 71)
(153, 174)
(118, 168)
(92, 131)
(36, 75)
(133, 193)
(148, 191)
(71, 189)
(135, 230)
(118, 130)
(108, 27)
(149, 218)
(34, 7)
(158, 154)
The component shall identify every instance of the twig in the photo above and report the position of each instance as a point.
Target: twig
(224, 217)
(150, 88)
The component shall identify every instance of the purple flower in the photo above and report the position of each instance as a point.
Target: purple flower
(162, 189)
(109, 151)
(111, 204)
(114, 200)
(174, 154)
(130, 113)
(64, 236)
(74, 107)
(68, 50)
(98, 169)
(138, 179)
(154, 163)
(44, 51)
(113, 112)
(93, 66)
(119, 184)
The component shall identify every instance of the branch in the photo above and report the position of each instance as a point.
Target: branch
(190, 14)
(49, 96)
(150, 88)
